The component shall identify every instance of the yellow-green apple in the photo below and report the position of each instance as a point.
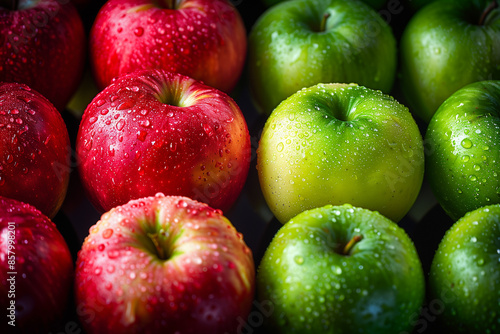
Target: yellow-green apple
(203, 39)
(34, 149)
(341, 269)
(340, 143)
(156, 131)
(445, 46)
(42, 45)
(463, 159)
(300, 43)
(164, 264)
(36, 270)
(465, 273)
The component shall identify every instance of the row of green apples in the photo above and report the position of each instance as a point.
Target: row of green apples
(327, 143)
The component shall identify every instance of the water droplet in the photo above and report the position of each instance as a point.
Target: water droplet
(298, 259)
(98, 270)
(473, 239)
(141, 135)
(465, 158)
(208, 129)
(120, 125)
(280, 147)
(139, 31)
(477, 168)
(100, 102)
(466, 143)
(107, 233)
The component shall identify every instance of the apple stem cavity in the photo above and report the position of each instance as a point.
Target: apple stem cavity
(9, 4)
(322, 27)
(166, 4)
(347, 249)
(160, 251)
(491, 7)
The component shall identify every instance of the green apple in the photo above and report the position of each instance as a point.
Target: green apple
(445, 46)
(299, 43)
(336, 144)
(341, 269)
(465, 273)
(463, 160)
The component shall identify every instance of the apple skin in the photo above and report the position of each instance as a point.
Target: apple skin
(378, 287)
(155, 131)
(199, 278)
(465, 273)
(43, 268)
(203, 39)
(336, 144)
(443, 48)
(35, 149)
(463, 156)
(287, 51)
(43, 45)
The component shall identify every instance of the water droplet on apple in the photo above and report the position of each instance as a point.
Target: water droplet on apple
(120, 125)
(139, 31)
(107, 233)
(473, 239)
(298, 259)
(100, 102)
(98, 271)
(280, 147)
(465, 158)
(466, 143)
(101, 247)
(141, 135)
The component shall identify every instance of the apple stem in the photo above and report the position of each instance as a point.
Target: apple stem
(9, 4)
(322, 27)
(492, 6)
(351, 243)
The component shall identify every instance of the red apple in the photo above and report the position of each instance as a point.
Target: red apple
(203, 39)
(164, 264)
(43, 46)
(36, 270)
(34, 149)
(155, 131)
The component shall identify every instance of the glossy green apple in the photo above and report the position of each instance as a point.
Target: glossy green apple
(465, 273)
(300, 43)
(336, 144)
(445, 46)
(341, 269)
(463, 156)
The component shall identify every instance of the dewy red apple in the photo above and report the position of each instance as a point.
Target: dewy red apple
(164, 264)
(203, 39)
(34, 149)
(36, 270)
(155, 131)
(43, 46)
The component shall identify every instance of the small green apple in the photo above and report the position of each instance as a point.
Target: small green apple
(341, 269)
(299, 43)
(463, 159)
(465, 273)
(445, 46)
(336, 144)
